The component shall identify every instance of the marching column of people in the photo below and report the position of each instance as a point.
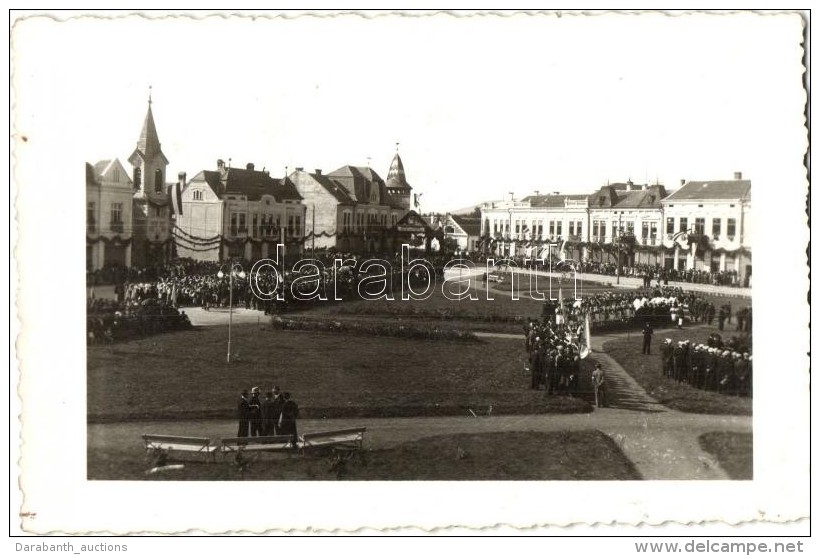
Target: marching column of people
(553, 357)
(712, 367)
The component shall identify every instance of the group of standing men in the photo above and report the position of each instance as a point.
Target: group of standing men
(273, 415)
(554, 359)
(709, 366)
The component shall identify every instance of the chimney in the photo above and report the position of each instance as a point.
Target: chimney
(738, 175)
(318, 171)
(629, 185)
(220, 164)
(300, 168)
(682, 181)
(249, 166)
(556, 192)
(182, 179)
(537, 192)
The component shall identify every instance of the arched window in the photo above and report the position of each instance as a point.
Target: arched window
(137, 177)
(158, 181)
(197, 195)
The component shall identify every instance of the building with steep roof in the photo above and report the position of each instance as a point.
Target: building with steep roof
(351, 208)
(109, 229)
(150, 211)
(238, 213)
(707, 226)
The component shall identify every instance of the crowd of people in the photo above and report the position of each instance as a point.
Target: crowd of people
(108, 321)
(715, 366)
(273, 414)
(554, 352)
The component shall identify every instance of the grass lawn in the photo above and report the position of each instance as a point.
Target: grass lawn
(646, 370)
(184, 374)
(733, 450)
(577, 455)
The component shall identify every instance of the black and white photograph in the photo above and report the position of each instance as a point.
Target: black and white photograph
(427, 269)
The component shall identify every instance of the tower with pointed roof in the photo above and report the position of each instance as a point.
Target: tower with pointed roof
(151, 216)
(397, 186)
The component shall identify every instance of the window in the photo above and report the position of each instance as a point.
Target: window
(653, 230)
(630, 228)
(137, 177)
(234, 221)
(158, 183)
(614, 231)
(552, 228)
(91, 217)
(197, 195)
(395, 219)
(243, 228)
(558, 228)
(670, 225)
(254, 224)
(579, 228)
(700, 226)
(645, 230)
(572, 228)
(517, 227)
(684, 224)
(116, 217)
(715, 228)
(730, 228)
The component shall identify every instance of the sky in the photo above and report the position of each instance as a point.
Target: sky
(481, 106)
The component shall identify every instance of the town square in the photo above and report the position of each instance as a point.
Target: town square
(495, 262)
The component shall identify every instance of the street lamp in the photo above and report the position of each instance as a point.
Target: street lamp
(232, 273)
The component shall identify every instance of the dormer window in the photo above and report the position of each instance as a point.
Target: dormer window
(197, 195)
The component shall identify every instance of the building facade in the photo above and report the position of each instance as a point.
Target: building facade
(109, 230)
(237, 213)
(352, 209)
(707, 226)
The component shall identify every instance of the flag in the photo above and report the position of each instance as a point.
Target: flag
(586, 346)
(175, 194)
(561, 249)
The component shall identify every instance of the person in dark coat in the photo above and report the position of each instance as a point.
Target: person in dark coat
(287, 421)
(647, 339)
(276, 409)
(255, 405)
(268, 423)
(244, 414)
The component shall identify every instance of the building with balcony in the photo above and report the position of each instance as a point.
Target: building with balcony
(237, 213)
(109, 230)
(625, 222)
(707, 226)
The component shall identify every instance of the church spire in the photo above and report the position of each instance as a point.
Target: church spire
(148, 145)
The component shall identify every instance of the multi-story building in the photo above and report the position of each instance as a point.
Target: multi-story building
(707, 226)
(108, 192)
(152, 242)
(238, 213)
(352, 208)
(628, 217)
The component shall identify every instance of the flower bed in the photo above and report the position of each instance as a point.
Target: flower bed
(396, 330)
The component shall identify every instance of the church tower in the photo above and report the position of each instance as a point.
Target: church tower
(151, 216)
(397, 186)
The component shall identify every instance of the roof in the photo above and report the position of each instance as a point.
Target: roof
(101, 167)
(642, 198)
(90, 174)
(148, 145)
(396, 178)
(248, 183)
(552, 201)
(713, 190)
(470, 224)
(354, 179)
(333, 187)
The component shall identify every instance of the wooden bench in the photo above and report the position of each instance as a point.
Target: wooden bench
(187, 444)
(345, 439)
(280, 443)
